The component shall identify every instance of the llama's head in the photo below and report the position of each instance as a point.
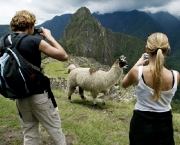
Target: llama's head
(122, 62)
(70, 68)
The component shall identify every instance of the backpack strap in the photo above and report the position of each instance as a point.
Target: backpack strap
(2, 44)
(15, 44)
(17, 40)
(9, 39)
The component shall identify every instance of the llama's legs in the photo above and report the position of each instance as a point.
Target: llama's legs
(94, 100)
(103, 102)
(81, 93)
(94, 95)
(70, 92)
(105, 96)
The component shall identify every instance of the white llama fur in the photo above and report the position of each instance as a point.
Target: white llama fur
(92, 80)
(70, 68)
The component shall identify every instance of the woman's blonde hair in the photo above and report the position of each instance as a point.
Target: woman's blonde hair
(22, 20)
(158, 44)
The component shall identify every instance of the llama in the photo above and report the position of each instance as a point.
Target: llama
(93, 80)
(70, 68)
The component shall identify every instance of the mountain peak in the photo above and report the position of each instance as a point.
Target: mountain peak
(83, 11)
(81, 15)
(85, 36)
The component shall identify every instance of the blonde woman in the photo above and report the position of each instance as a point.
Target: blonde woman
(155, 87)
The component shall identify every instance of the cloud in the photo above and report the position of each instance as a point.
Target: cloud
(171, 7)
(46, 10)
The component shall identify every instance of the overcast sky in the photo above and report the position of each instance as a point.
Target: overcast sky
(47, 9)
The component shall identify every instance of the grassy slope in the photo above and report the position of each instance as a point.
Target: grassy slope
(81, 122)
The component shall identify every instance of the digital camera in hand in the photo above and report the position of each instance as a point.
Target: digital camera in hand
(146, 57)
(37, 31)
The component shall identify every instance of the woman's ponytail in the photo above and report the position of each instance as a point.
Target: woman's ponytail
(157, 75)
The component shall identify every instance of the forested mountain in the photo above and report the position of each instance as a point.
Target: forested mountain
(135, 23)
(170, 25)
(4, 29)
(85, 36)
(176, 38)
(57, 25)
(140, 24)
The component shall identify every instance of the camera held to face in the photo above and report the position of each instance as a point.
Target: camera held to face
(37, 31)
(146, 57)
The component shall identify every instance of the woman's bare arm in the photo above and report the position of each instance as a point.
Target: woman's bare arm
(132, 76)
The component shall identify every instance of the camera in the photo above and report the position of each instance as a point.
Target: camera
(146, 56)
(37, 31)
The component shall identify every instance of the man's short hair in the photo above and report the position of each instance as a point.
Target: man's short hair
(22, 20)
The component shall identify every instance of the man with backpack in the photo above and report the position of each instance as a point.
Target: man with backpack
(39, 107)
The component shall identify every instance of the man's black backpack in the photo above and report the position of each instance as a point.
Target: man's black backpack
(18, 77)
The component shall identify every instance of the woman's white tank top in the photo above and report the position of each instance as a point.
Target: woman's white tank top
(145, 93)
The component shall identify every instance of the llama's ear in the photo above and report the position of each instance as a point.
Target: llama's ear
(117, 61)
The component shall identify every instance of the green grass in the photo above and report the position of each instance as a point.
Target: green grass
(95, 126)
(82, 123)
(55, 69)
(8, 112)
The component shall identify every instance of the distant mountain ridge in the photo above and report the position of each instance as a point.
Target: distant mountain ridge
(85, 36)
(57, 25)
(135, 23)
(4, 29)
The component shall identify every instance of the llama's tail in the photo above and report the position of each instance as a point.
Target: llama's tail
(70, 68)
